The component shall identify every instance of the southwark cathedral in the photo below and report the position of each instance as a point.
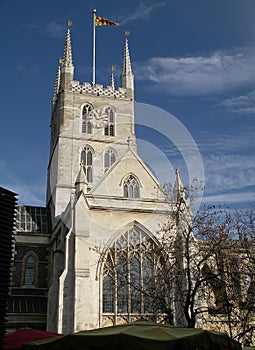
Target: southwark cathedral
(103, 212)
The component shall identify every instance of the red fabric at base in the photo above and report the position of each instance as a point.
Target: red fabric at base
(15, 340)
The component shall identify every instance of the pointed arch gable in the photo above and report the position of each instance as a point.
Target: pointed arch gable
(109, 244)
(147, 232)
(118, 234)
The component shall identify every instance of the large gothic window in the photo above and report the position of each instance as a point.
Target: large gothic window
(86, 119)
(129, 274)
(30, 270)
(131, 187)
(109, 158)
(87, 162)
(109, 128)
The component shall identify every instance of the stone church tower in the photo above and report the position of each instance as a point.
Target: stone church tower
(106, 206)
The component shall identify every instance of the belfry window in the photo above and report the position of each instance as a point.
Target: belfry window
(30, 270)
(129, 275)
(87, 162)
(109, 158)
(87, 119)
(109, 128)
(131, 187)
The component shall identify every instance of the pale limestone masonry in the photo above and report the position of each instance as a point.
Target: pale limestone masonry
(94, 200)
(97, 90)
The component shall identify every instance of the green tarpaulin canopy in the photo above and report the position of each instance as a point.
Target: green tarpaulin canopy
(140, 335)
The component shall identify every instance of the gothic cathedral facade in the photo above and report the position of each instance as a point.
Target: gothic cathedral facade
(106, 207)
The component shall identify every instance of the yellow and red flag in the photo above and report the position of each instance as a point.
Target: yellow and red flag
(100, 21)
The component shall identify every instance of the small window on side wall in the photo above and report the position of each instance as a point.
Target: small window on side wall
(30, 267)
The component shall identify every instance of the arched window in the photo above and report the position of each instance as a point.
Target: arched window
(109, 128)
(131, 187)
(87, 119)
(87, 162)
(30, 270)
(109, 158)
(130, 272)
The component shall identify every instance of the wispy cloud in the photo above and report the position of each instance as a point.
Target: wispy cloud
(32, 194)
(143, 11)
(226, 143)
(244, 104)
(228, 164)
(241, 196)
(228, 161)
(53, 29)
(227, 172)
(27, 72)
(213, 74)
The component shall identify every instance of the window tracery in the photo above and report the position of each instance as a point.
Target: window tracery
(87, 126)
(131, 187)
(109, 158)
(87, 162)
(109, 128)
(129, 274)
(30, 268)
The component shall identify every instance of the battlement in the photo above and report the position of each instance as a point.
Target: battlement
(97, 90)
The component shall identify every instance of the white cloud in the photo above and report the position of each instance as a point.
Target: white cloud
(244, 104)
(240, 143)
(143, 11)
(228, 164)
(230, 198)
(200, 75)
(228, 172)
(53, 28)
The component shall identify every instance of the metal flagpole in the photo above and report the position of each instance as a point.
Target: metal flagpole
(94, 49)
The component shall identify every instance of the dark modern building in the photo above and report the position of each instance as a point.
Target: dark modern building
(7, 220)
(27, 304)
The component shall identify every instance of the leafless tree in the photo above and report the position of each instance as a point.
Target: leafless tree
(213, 268)
(238, 263)
(199, 271)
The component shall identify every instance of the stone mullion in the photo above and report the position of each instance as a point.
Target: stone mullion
(141, 274)
(154, 267)
(128, 278)
(115, 276)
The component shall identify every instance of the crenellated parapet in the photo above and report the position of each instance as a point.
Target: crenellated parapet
(98, 90)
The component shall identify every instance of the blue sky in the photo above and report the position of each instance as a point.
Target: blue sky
(194, 59)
